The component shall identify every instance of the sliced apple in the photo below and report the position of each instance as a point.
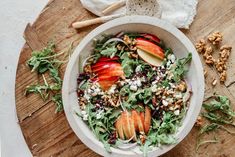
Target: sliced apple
(147, 120)
(151, 37)
(135, 117)
(105, 59)
(119, 128)
(141, 129)
(108, 71)
(152, 60)
(132, 129)
(150, 48)
(126, 124)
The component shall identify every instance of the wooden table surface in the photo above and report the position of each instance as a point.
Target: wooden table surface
(49, 134)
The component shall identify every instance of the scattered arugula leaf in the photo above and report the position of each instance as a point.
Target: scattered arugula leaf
(45, 61)
(180, 69)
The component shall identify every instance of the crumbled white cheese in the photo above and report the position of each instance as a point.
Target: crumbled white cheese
(87, 96)
(154, 88)
(164, 102)
(178, 95)
(112, 89)
(99, 114)
(85, 117)
(176, 112)
(83, 112)
(138, 82)
(138, 69)
(133, 88)
(172, 58)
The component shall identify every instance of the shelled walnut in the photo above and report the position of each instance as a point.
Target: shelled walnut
(225, 52)
(200, 46)
(215, 38)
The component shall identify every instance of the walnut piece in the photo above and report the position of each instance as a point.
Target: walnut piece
(87, 69)
(200, 46)
(223, 76)
(215, 38)
(199, 121)
(210, 60)
(127, 39)
(225, 52)
(214, 82)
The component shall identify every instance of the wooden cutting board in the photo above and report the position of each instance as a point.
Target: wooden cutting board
(49, 134)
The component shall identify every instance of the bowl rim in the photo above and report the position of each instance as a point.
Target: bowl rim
(138, 19)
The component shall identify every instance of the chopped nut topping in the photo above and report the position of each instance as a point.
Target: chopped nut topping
(87, 68)
(210, 60)
(200, 46)
(225, 52)
(199, 121)
(182, 86)
(205, 73)
(223, 76)
(215, 38)
(127, 39)
(214, 82)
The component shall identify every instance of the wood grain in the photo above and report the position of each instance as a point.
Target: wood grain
(49, 134)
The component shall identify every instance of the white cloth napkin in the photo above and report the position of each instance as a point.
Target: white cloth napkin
(178, 12)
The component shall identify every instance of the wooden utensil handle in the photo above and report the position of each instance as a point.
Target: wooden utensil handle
(98, 20)
(114, 7)
(87, 23)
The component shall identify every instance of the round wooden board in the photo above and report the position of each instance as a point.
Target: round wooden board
(49, 134)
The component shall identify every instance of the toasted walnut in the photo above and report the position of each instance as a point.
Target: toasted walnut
(182, 86)
(87, 68)
(199, 121)
(215, 38)
(225, 52)
(214, 82)
(205, 73)
(119, 47)
(223, 76)
(142, 137)
(208, 50)
(127, 39)
(220, 65)
(210, 60)
(200, 46)
(133, 55)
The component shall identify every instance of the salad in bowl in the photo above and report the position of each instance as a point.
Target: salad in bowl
(132, 91)
(136, 91)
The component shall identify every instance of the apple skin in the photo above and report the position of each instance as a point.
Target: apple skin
(147, 120)
(152, 60)
(119, 128)
(151, 37)
(150, 48)
(108, 71)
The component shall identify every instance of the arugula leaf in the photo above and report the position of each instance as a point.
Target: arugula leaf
(179, 70)
(128, 64)
(109, 51)
(208, 128)
(103, 126)
(43, 61)
(221, 103)
(58, 101)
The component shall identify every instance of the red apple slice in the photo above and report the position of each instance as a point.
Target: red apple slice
(152, 60)
(150, 48)
(141, 127)
(119, 128)
(147, 120)
(151, 37)
(135, 117)
(105, 59)
(126, 124)
(132, 128)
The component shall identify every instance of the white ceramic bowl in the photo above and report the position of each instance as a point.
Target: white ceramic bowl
(173, 38)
